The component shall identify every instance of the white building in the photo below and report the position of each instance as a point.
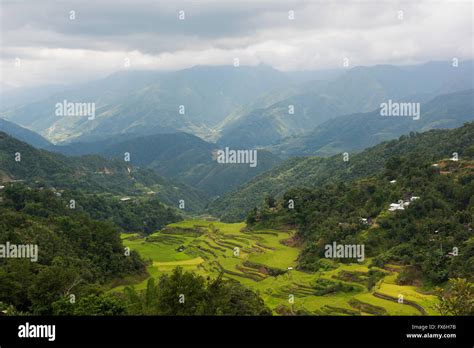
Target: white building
(396, 206)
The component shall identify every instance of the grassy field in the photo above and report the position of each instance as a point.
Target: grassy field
(261, 261)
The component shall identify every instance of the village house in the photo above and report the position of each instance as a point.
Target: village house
(401, 205)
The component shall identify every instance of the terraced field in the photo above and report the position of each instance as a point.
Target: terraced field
(261, 260)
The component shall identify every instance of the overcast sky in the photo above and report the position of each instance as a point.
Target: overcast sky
(41, 44)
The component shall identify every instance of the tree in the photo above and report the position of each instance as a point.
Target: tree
(457, 298)
(185, 293)
(181, 293)
(270, 201)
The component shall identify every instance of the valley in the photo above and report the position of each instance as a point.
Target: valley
(266, 262)
(230, 196)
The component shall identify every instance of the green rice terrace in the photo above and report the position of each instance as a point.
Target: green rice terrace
(266, 261)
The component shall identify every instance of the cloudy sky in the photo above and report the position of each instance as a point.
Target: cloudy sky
(44, 42)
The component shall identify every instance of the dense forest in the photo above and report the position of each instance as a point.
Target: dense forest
(90, 174)
(315, 171)
(432, 235)
(75, 253)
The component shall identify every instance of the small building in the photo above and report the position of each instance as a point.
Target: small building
(398, 206)
(395, 206)
(393, 181)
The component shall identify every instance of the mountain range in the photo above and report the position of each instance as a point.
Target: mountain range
(280, 114)
(355, 132)
(241, 107)
(182, 156)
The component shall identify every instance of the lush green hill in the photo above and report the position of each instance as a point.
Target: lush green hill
(315, 171)
(23, 134)
(181, 156)
(436, 218)
(358, 131)
(74, 255)
(91, 174)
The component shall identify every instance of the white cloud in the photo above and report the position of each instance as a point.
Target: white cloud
(55, 50)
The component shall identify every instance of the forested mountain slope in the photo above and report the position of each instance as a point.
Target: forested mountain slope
(315, 171)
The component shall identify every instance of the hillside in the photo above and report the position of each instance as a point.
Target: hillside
(267, 263)
(90, 174)
(240, 107)
(148, 103)
(74, 255)
(415, 213)
(23, 134)
(315, 171)
(181, 156)
(359, 90)
(358, 131)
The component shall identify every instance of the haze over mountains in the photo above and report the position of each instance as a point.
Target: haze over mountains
(355, 132)
(238, 106)
(172, 122)
(177, 155)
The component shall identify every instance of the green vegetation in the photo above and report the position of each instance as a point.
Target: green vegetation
(181, 156)
(266, 262)
(186, 293)
(432, 235)
(275, 263)
(316, 171)
(90, 175)
(457, 298)
(76, 254)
